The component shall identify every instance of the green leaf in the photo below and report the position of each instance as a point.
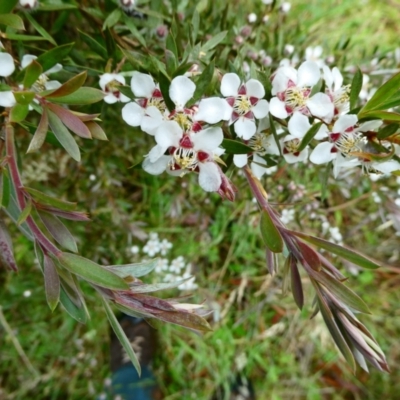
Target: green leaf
(83, 96)
(32, 73)
(49, 200)
(214, 41)
(130, 24)
(356, 86)
(4, 87)
(19, 112)
(165, 83)
(25, 212)
(340, 291)
(383, 94)
(41, 132)
(112, 19)
(203, 82)
(78, 313)
(56, 7)
(91, 271)
(94, 45)
(5, 188)
(346, 253)
(7, 5)
(170, 45)
(378, 114)
(195, 26)
(69, 87)
(136, 270)
(12, 20)
(40, 29)
(63, 136)
(270, 234)
(387, 131)
(235, 147)
(274, 132)
(50, 58)
(119, 332)
(170, 61)
(335, 332)
(24, 97)
(51, 282)
(70, 120)
(58, 231)
(309, 136)
(96, 131)
(22, 38)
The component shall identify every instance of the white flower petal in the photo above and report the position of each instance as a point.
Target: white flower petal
(260, 110)
(27, 59)
(370, 126)
(328, 77)
(281, 79)
(207, 139)
(132, 113)
(298, 125)
(156, 152)
(56, 68)
(387, 167)
(123, 98)
(52, 85)
(308, 74)
(142, 85)
(213, 110)
(322, 153)
(272, 146)
(277, 108)
(209, 177)
(168, 134)
(151, 120)
(240, 160)
(321, 106)
(254, 88)
(230, 85)
(322, 133)
(291, 158)
(181, 90)
(7, 99)
(157, 167)
(256, 166)
(105, 79)
(344, 122)
(337, 78)
(245, 128)
(7, 66)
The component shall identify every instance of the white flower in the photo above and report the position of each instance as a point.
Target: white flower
(7, 99)
(165, 246)
(162, 265)
(177, 265)
(110, 83)
(127, 5)
(152, 247)
(7, 66)
(314, 54)
(293, 88)
(285, 7)
(189, 151)
(29, 4)
(252, 18)
(246, 103)
(338, 93)
(134, 249)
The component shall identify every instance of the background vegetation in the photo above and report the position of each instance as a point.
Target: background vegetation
(287, 355)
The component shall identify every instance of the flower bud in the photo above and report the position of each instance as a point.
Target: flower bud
(29, 4)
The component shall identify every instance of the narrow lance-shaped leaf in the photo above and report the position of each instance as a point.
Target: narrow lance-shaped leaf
(6, 6)
(346, 253)
(112, 19)
(297, 287)
(130, 24)
(32, 73)
(310, 256)
(91, 271)
(50, 58)
(25, 212)
(70, 86)
(214, 41)
(24, 97)
(203, 82)
(12, 20)
(40, 29)
(235, 147)
(70, 120)
(119, 332)
(378, 114)
(309, 136)
(51, 201)
(78, 313)
(63, 136)
(94, 45)
(387, 131)
(96, 130)
(58, 231)
(51, 283)
(82, 96)
(270, 234)
(136, 270)
(6, 248)
(40, 135)
(356, 86)
(5, 188)
(19, 112)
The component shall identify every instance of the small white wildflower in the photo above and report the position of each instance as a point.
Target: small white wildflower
(92, 177)
(165, 246)
(287, 216)
(27, 293)
(252, 18)
(162, 265)
(336, 236)
(151, 248)
(285, 7)
(376, 198)
(153, 236)
(134, 249)
(177, 265)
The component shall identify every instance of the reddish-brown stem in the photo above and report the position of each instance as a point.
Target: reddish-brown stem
(16, 179)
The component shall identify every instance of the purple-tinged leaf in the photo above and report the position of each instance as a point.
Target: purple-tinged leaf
(70, 121)
(32, 73)
(49, 200)
(41, 132)
(119, 332)
(348, 254)
(96, 130)
(91, 271)
(328, 266)
(270, 259)
(51, 282)
(153, 302)
(71, 215)
(310, 256)
(185, 319)
(270, 234)
(297, 287)
(70, 86)
(342, 292)
(335, 331)
(86, 117)
(6, 248)
(58, 231)
(63, 136)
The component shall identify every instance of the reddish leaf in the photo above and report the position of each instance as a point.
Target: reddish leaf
(297, 287)
(310, 256)
(40, 135)
(6, 248)
(51, 282)
(70, 86)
